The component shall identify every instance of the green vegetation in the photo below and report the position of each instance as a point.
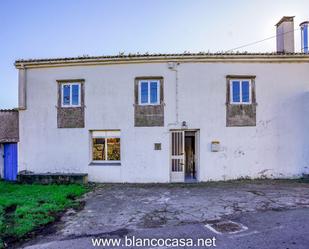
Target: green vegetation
(24, 207)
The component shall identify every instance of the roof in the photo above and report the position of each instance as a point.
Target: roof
(285, 19)
(8, 110)
(148, 58)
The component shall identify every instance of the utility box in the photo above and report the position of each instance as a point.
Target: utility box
(215, 146)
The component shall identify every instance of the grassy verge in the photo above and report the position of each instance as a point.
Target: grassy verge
(24, 208)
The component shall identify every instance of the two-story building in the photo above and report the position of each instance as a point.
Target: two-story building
(168, 117)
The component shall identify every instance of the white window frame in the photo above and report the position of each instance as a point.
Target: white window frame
(140, 92)
(105, 134)
(240, 92)
(79, 94)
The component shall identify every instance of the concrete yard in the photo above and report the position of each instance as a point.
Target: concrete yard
(275, 214)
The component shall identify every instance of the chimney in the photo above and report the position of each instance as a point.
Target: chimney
(304, 37)
(285, 35)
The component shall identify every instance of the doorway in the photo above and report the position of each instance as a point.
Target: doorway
(10, 161)
(184, 156)
(190, 170)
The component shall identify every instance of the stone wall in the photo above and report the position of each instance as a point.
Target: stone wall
(9, 126)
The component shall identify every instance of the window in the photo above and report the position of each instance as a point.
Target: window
(241, 105)
(106, 146)
(240, 91)
(149, 92)
(70, 95)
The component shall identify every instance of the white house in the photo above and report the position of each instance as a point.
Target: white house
(168, 117)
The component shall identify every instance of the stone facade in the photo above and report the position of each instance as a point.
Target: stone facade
(9, 126)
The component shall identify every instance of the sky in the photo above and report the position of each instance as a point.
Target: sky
(68, 28)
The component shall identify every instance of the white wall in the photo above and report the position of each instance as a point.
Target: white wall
(277, 146)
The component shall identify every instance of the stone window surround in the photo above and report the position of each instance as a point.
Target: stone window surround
(73, 116)
(247, 115)
(148, 115)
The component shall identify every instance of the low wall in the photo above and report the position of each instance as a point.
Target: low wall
(50, 178)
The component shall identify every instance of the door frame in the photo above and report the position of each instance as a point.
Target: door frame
(197, 152)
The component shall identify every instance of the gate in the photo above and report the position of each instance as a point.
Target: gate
(177, 156)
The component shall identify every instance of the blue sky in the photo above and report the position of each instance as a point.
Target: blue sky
(60, 28)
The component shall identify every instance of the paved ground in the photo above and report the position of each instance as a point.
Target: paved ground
(273, 214)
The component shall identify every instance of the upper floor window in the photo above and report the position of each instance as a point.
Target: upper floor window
(149, 92)
(71, 95)
(240, 91)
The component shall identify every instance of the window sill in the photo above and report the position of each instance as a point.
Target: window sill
(240, 103)
(244, 104)
(70, 106)
(149, 104)
(160, 104)
(105, 164)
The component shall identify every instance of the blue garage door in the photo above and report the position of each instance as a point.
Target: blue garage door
(10, 161)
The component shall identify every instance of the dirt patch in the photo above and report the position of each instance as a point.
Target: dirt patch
(80, 206)
(9, 221)
(10, 209)
(118, 233)
(43, 230)
(157, 218)
(278, 209)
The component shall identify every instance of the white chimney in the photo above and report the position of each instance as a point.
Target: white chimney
(285, 35)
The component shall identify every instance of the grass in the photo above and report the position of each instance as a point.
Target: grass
(24, 208)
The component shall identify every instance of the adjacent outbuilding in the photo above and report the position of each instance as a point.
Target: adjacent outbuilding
(9, 137)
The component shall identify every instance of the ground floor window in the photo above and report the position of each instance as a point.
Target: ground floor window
(106, 146)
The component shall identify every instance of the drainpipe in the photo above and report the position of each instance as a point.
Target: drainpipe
(173, 67)
(22, 86)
